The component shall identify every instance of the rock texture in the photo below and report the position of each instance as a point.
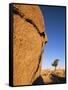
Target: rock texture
(28, 42)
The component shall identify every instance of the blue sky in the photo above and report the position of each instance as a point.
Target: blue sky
(54, 18)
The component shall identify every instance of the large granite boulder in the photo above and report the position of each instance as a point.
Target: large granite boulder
(28, 42)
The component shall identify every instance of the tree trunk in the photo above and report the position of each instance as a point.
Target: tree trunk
(55, 69)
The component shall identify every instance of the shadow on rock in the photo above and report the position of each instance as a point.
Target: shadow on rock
(38, 81)
(58, 80)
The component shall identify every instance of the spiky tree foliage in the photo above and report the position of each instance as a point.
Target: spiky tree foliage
(55, 63)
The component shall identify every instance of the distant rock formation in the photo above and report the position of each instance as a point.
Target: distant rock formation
(28, 42)
(53, 77)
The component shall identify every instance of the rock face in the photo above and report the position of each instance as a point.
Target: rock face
(28, 41)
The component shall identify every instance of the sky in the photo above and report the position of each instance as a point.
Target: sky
(54, 18)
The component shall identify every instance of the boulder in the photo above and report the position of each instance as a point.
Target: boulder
(28, 41)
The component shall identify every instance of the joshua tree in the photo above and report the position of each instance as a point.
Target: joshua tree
(55, 63)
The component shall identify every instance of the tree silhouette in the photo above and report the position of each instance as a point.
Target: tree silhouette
(55, 63)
